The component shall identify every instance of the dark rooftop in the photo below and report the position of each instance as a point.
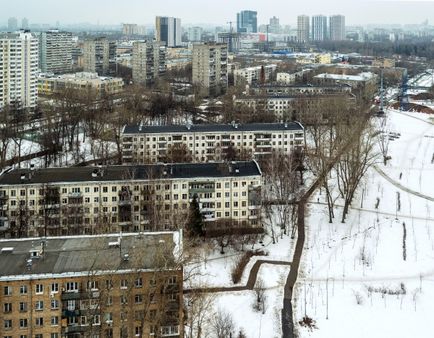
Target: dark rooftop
(203, 128)
(85, 254)
(130, 172)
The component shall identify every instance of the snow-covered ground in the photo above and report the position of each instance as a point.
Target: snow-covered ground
(374, 275)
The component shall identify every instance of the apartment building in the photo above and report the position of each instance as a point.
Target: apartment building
(168, 31)
(101, 85)
(319, 28)
(204, 143)
(300, 107)
(148, 61)
(99, 56)
(253, 75)
(364, 84)
(125, 285)
(300, 90)
(210, 68)
(89, 200)
(337, 27)
(18, 69)
(55, 52)
(303, 32)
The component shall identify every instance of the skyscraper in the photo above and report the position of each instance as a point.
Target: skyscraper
(303, 28)
(55, 52)
(99, 55)
(210, 70)
(149, 61)
(18, 69)
(319, 28)
(337, 27)
(247, 22)
(25, 23)
(274, 26)
(168, 30)
(12, 24)
(195, 34)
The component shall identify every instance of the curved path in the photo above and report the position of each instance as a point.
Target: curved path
(400, 186)
(253, 275)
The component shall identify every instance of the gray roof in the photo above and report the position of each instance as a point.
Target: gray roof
(86, 254)
(131, 172)
(204, 128)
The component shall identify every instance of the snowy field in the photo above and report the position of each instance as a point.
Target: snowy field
(374, 275)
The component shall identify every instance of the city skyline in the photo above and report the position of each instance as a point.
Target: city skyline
(356, 12)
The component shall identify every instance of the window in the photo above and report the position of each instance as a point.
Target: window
(92, 285)
(39, 305)
(138, 299)
(7, 307)
(124, 284)
(23, 307)
(23, 323)
(54, 320)
(124, 299)
(71, 287)
(39, 288)
(23, 336)
(138, 331)
(7, 324)
(7, 291)
(109, 300)
(108, 284)
(39, 321)
(23, 290)
(54, 335)
(54, 304)
(172, 280)
(139, 282)
(96, 320)
(54, 287)
(70, 305)
(39, 335)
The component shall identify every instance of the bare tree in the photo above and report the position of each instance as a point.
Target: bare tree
(223, 324)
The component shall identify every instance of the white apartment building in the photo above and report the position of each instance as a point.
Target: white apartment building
(18, 69)
(55, 52)
(205, 143)
(337, 27)
(195, 34)
(91, 200)
(303, 32)
(148, 61)
(252, 75)
(210, 68)
(319, 28)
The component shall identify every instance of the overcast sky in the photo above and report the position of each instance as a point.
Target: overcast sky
(213, 11)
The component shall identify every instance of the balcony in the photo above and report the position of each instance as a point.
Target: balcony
(75, 194)
(75, 329)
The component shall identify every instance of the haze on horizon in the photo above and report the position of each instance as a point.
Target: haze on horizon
(114, 12)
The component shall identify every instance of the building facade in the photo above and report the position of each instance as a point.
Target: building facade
(254, 75)
(90, 200)
(337, 27)
(99, 56)
(247, 22)
(205, 143)
(195, 34)
(55, 52)
(49, 85)
(130, 29)
(210, 68)
(303, 32)
(148, 61)
(319, 28)
(92, 286)
(18, 70)
(168, 31)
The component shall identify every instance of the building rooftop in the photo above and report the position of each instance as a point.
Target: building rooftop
(132, 172)
(80, 255)
(210, 128)
(360, 77)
